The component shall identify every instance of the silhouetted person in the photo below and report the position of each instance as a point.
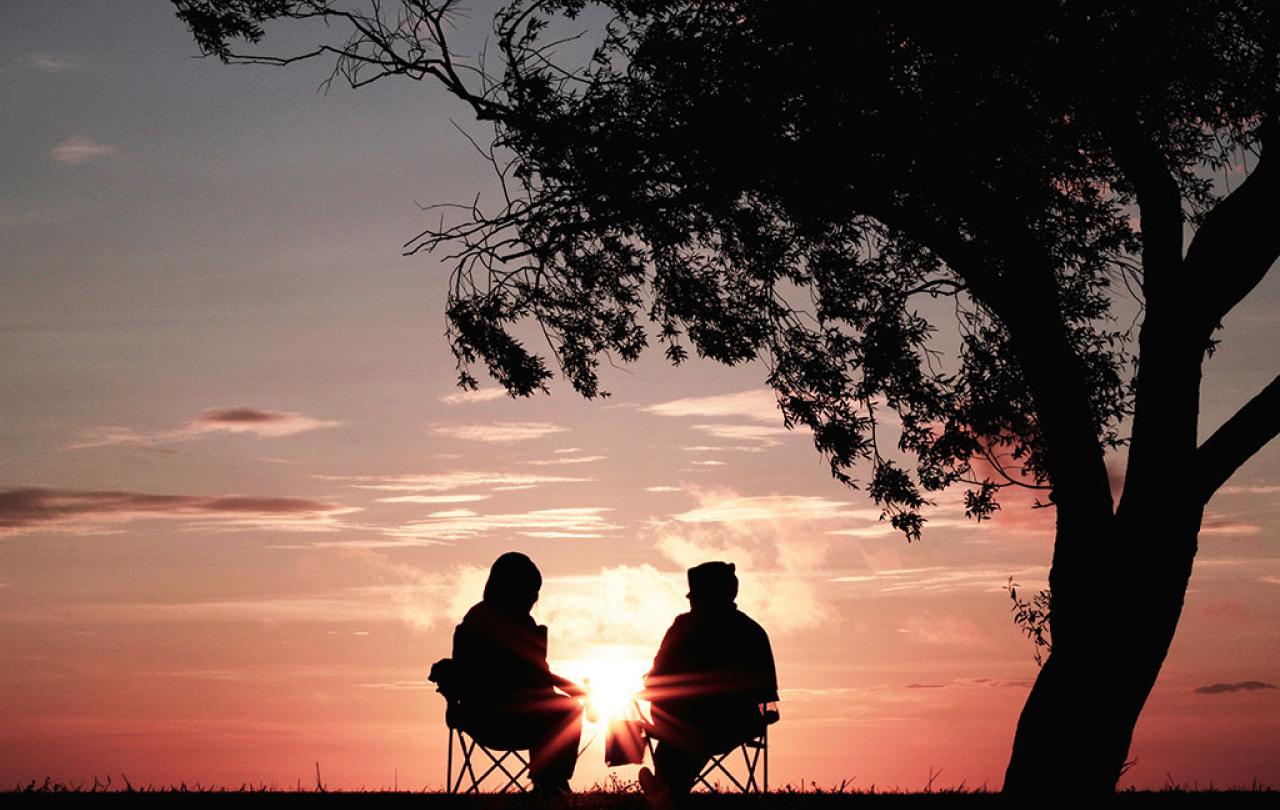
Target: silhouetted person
(712, 673)
(504, 690)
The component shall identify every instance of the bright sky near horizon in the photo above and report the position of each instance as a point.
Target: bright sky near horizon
(242, 504)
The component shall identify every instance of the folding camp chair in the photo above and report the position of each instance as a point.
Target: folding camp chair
(755, 759)
(498, 758)
(445, 675)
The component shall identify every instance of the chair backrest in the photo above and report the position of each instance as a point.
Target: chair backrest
(445, 675)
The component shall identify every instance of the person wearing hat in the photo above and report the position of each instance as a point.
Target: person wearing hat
(709, 679)
(507, 692)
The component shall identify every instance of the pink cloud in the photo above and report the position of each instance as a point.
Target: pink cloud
(30, 509)
(450, 481)
(562, 460)
(495, 432)
(759, 404)
(949, 630)
(471, 397)
(1228, 688)
(241, 419)
(79, 149)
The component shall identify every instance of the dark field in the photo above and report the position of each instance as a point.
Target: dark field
(612, 800)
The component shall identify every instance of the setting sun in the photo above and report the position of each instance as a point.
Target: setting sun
(612, 677)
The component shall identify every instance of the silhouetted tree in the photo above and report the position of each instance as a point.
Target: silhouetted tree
(792, 181)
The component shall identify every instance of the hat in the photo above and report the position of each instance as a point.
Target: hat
(714, 581)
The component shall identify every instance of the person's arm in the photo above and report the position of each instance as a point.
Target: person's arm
(557, 681)
(567, 686)
(657, 679)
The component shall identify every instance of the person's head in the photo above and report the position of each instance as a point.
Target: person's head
(712, 584)
(514, 582)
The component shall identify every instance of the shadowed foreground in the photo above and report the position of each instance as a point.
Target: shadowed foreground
(614, 800)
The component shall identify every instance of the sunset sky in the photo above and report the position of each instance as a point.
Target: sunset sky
(242, 504)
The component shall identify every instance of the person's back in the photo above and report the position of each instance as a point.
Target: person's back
(502, 658)
(714, 669)
(709, 678)
(503, 686)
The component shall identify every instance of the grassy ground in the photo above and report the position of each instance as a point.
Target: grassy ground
(47, 794)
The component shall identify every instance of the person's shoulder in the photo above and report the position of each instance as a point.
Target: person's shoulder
(750, 624)
(479, 612)
(681, 622)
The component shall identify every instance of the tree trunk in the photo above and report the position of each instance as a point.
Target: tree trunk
(1113, 621)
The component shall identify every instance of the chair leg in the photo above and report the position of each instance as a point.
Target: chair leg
(466, 769)
(524, 768)
(448, 768)
(765, 737)
(512, 781)
(751, 761)
(464, 762)
(717, 763)
(475, 783)
(754, 758)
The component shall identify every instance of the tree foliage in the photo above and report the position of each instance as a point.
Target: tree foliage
(793, 182)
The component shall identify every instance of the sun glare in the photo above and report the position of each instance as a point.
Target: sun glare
(613, 677)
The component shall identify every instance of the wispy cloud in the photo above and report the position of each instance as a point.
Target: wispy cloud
(498, 431)
(449, 481)
(49, 63)
(949, 630)
(435, 499)
(1227, 688)
(762, 435)
(661, 488)
(96, 512)
(1222, 525)
(758, 404)
(723, 448)
(552, 462)
(935, 579)
(577, 523)
(472, 397)
(256, 421)
(1255, 489)
(880, 529)
(79, 149)
(398, 686)
(722, 507)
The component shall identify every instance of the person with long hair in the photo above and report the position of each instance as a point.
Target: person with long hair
(506, 691)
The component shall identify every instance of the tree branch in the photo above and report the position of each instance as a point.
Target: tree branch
(1238, 241)
(1238, 439)
(1159, 201)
